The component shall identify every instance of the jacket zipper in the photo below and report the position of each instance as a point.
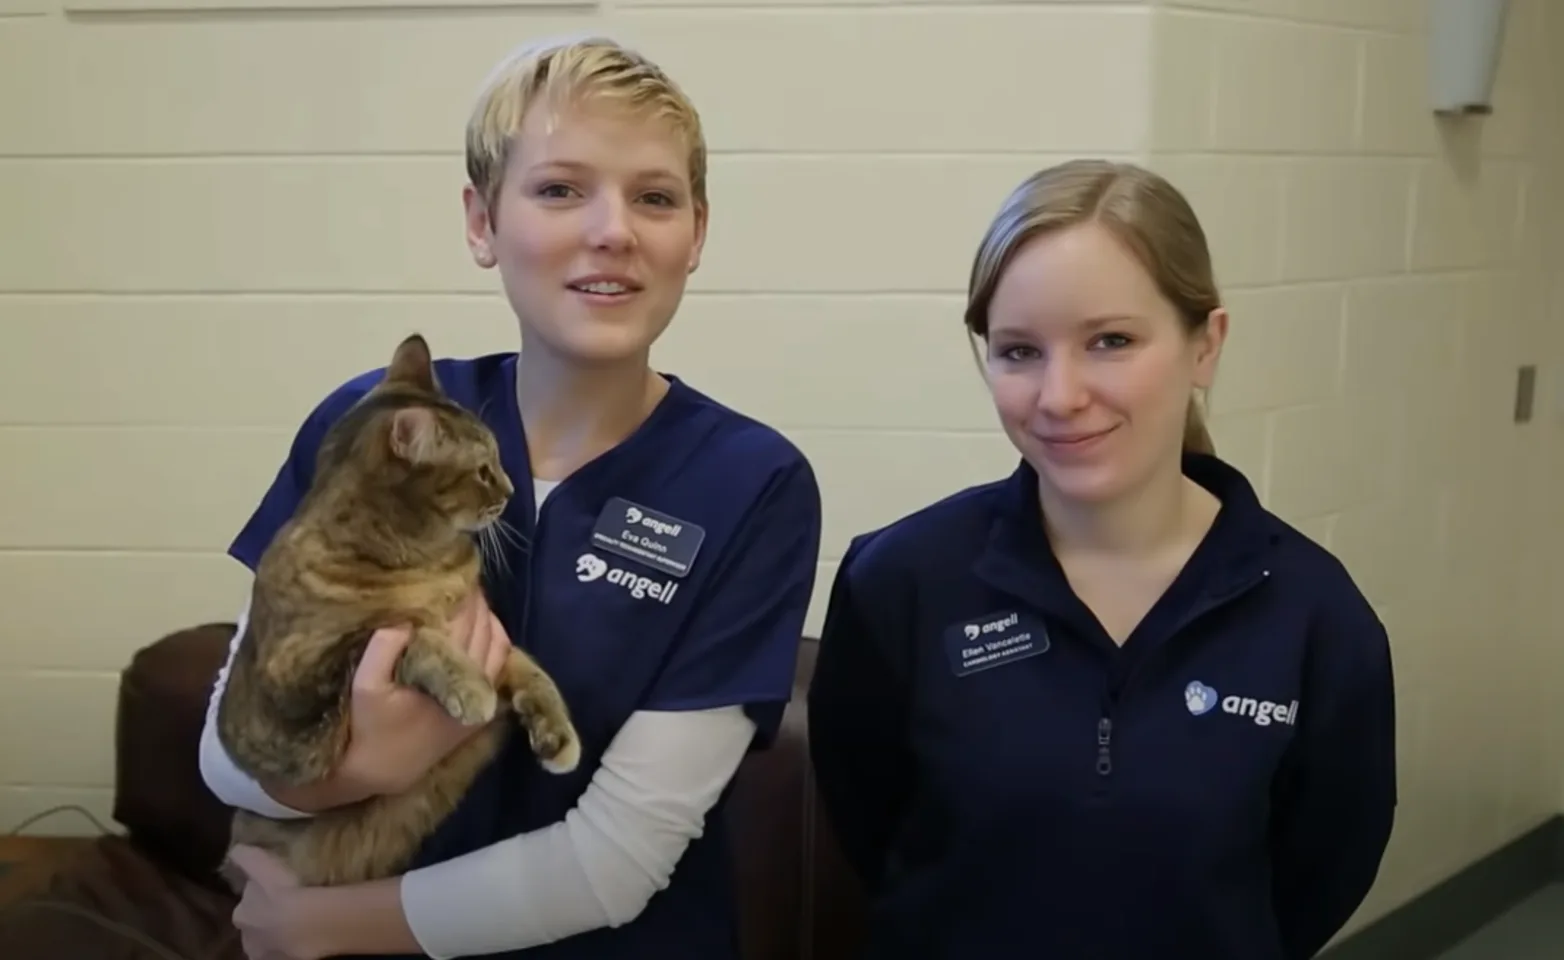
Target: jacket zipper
(1105, 722)
(1104, 739)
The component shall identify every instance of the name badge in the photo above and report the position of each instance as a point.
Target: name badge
(664, 543)
(994, 640)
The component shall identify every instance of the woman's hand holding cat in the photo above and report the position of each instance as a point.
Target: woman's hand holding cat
(478, 631)
(270, 915)
(398, 732)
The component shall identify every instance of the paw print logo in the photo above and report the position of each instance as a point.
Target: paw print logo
(633, 515)
(589, 567)
(972, 631)
(1199, 698)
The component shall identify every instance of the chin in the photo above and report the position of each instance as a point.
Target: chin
(1093, 488)
(1084, 483)
(590, 341)
(607, 350)
(590, 336)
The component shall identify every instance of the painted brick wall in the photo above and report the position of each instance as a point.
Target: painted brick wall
(185, 191)
(180, 191)
(1386, 275)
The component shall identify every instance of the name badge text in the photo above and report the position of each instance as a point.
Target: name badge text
(656, 539)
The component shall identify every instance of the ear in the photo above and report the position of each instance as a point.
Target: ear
(1207, 343)
(979, 347)
(415, 434)
(412, 365)
(702, 219)
(480, 227)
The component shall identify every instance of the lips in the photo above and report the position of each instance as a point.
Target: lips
(1075, 439)
(1075, 447)
(605, 285)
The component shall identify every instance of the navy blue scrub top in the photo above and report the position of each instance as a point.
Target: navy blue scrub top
(712, 619)
(1012, 784)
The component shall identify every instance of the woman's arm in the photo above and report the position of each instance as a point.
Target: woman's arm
(856, 741)
(596, 868)
(237, 788)
(1335, 798)
(398, 732)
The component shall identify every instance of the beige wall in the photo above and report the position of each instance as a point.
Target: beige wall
(1385, 273)
(180, 193)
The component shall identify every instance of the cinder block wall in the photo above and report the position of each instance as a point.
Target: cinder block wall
(212, 216)
(1388, 274)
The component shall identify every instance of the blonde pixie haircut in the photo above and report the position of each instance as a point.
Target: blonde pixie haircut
(559, 74)
(1142, 210)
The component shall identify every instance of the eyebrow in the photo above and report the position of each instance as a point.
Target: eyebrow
(576, 166)
(1095, 322)
(1107, 320)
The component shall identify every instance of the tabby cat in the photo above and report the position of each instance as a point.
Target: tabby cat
(406, 483)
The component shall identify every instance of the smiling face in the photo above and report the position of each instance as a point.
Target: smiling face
(1091, 367)
(595, 229)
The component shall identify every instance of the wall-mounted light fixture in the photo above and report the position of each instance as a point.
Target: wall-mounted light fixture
(1464, 40)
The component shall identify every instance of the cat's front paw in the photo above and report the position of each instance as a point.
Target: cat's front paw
(558, 750)
(552, 736)
(470, 703)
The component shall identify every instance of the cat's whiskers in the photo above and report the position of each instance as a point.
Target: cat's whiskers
(491, 552)
(509, 534)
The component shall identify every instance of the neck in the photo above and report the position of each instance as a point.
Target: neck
(1156, 515)
(573, 413)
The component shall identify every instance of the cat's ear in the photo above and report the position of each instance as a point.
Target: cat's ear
(415, 434)
(412, 365)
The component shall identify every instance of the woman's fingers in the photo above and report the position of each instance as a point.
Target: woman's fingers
(478, 632)
(465, 621)
(478, 636)
(377, 667)
(486, 641)
(499, 648)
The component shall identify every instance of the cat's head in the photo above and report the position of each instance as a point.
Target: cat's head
(432, 455)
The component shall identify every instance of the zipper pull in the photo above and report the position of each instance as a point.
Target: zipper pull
(1104, 735)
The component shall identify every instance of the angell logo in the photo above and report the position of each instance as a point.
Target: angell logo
(591, 567)
(975, 630)
(634, 517)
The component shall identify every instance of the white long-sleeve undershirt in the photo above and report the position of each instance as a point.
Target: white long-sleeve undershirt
(223, 777)
(598, 867)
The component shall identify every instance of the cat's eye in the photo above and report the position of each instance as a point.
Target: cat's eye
(486, 474)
